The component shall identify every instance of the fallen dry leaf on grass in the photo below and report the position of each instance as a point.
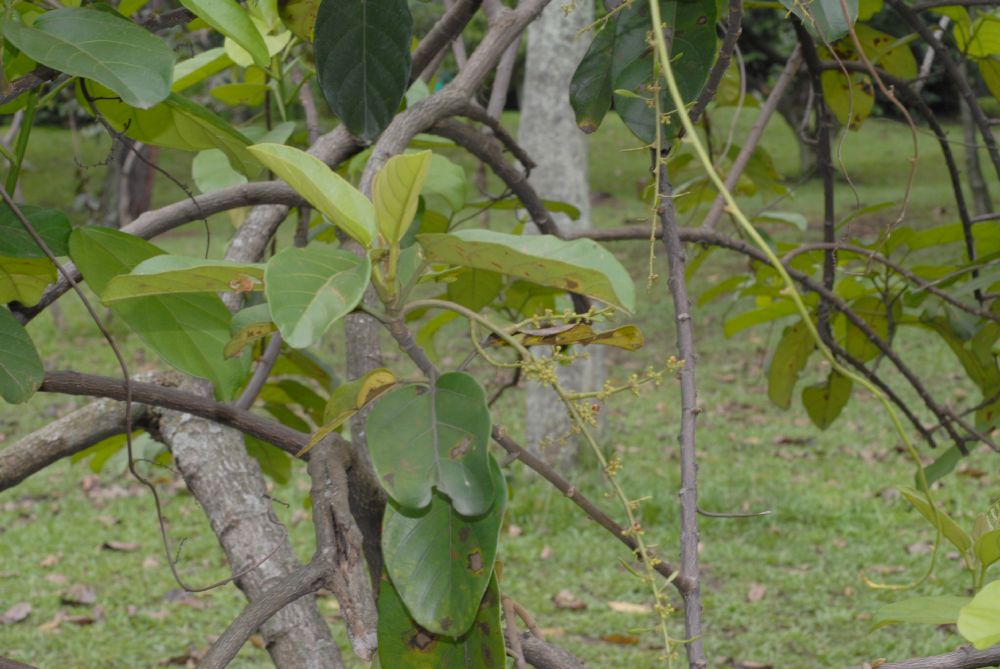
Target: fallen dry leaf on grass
(120, 546)
(756, 592)
(16, 613)
(565, 599)
(629, 607)
(79, 595)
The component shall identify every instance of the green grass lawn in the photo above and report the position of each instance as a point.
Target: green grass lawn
(783, 590)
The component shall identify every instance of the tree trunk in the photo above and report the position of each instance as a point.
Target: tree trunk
(230, 488)
(549, 133)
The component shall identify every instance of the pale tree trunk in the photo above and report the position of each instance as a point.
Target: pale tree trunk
(549, 133)
(228, 484)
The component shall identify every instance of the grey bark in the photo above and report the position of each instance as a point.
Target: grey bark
(981, 203)
(230, 488)
(68, 435)
(549, 133)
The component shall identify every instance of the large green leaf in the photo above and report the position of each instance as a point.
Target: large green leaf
(326, 190)
(825, 401)
(189, 72)
(951, 530)
(404, 644)
(187, 331)
(211, 171)
(310, 288)
(937, 610)
(102, 46)
(872, 311)
(21, 371)
(234, 22)
(824, 18)
(693, 43)
(790, 357)
(363, 61)
(420, 438)
(590, 89)
(169, 274)
(51, 224)
(475, 288)
(178, 123)
(581, 266)
(979, 620)
(437, 545)
(24, 280)
(396, 191)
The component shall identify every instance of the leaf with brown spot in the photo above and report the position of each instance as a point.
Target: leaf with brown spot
(403, 644)
(456, 552)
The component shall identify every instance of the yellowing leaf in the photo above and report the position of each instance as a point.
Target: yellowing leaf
(326, 190)
(348, 399)
(396, 191)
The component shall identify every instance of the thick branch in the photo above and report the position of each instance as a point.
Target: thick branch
(72, 383)
(965, 657)
(68, 435)
(296, 585)
(543, 655)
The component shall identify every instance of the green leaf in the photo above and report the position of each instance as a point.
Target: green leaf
(194, 70)
(985, 37)
(475, 288)
(24, 280)
(324, 189)
(275, 43)
(937, 610)
(790, 357)
(989, 68)
(170, 274)
(979, 620)
(178, 123)
(581, 266)
(273, 461)
(21, 371)
(403, 644)
(311, 288)
(240, 93)
(187, 331)
(873, 312)
(363, 61)
(396, 191)
(248, 325)
(228, 18)
(988, 548)
(693, 45)
(421, 438)
(942, 466)
(445, 186)
(211, 171)
(590, 88)
(51, 224)
(824, 18)
(885, 51)
(437, 545)
(102, 46)
(825, 401)
(949, 528)
(792, 218)
(554, 206)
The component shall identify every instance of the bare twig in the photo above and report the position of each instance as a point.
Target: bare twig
(263, 370)
(688, 494)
